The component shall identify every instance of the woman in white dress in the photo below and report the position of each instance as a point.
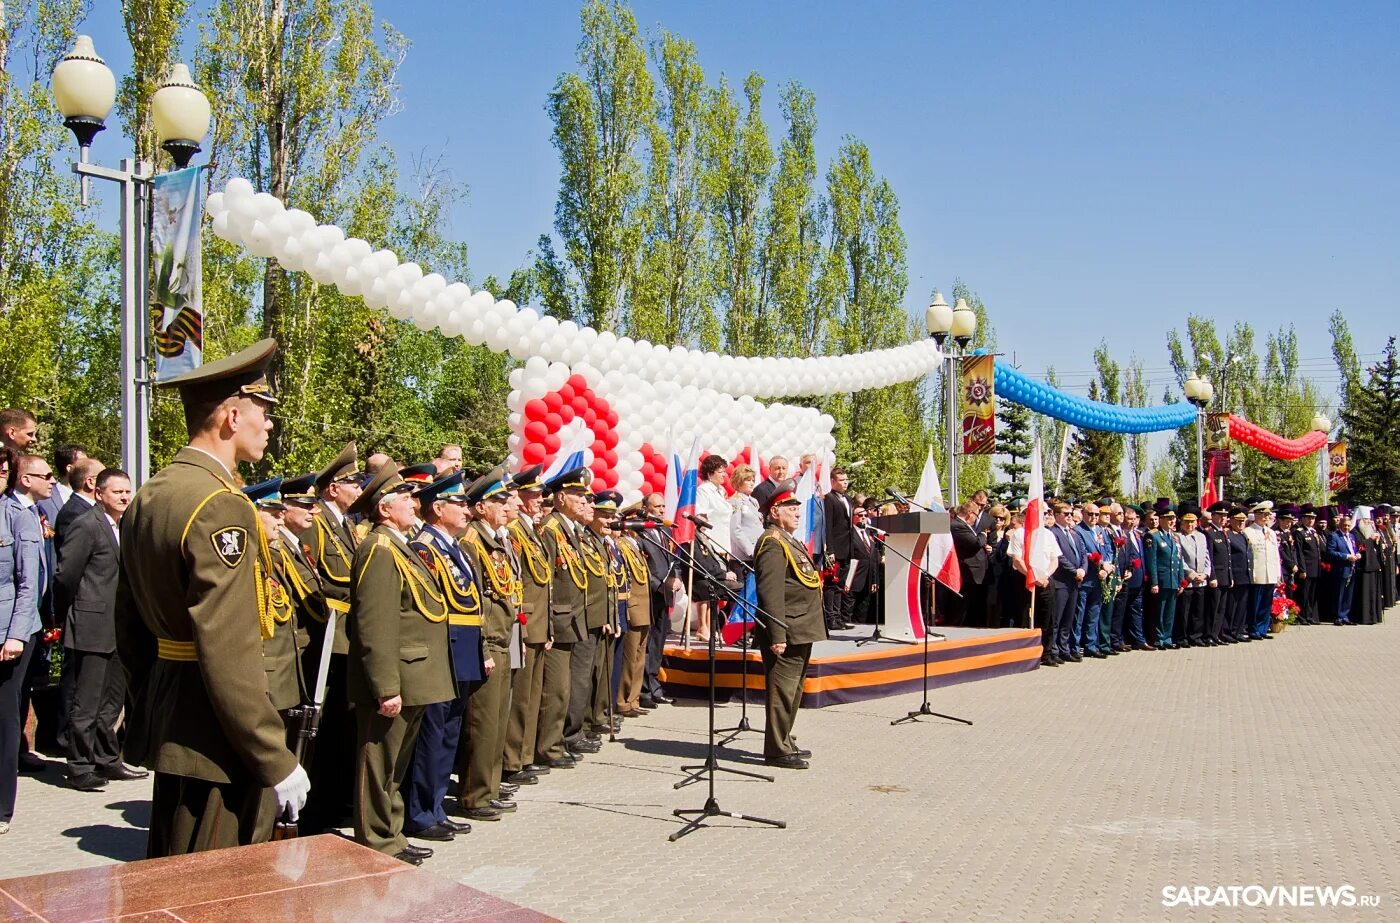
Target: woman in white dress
(712, 505)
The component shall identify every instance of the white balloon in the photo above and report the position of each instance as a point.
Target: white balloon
(215, 203)
(220, 226)
(238, 188)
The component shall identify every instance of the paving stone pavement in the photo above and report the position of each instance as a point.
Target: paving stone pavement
(1079, 793)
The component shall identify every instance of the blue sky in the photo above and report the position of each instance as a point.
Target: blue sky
(1094, 171)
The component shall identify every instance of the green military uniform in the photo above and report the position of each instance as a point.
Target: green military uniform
(191, 617)
(634, 643)
(330, 543)
(570, 583)
(285, 683)
(488, 700)
(398, 647)
(600, 610)
(790, 595)
(527, 683)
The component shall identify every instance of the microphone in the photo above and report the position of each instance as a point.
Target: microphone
(891, 492)
(880, 533)
(631, 525)
(699, 523)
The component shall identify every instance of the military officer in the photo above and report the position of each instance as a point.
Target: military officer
(1265, 569)
(598, 555)
(1237, 614)
(191, 589)
(1162, 559)
(443, 509)
(488, 704)
(634, 639)
(1218, 594)
(790, 600)
(285, 684)
(298, 514)
(536, 578)
(1309, 544)
(560, 534)
(399, 661)
(329, 541)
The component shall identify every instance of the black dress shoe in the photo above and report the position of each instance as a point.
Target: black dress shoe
(663, 700)
(481, 813)
(422, 852)
(87, 782)
(408, 857)
(646, 703)
(456, 826)
(592, 737)
(523, 778)
(586, 746)
(1074, 657)
(439, 832)
(1049, 662)
(504, 795)
(1098, 655)
(30, 761)
(562, 764)
(510, 787)
(120, 772)
(791, 761)
(805, 754)
(1111, 652)
(537, 769)
(503, 806)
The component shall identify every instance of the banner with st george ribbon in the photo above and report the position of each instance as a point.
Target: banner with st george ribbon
(979, 420)
(1337, 479)
(176, 296)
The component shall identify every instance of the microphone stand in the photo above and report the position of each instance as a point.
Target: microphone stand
(924, 710)
(711, 808)
(879, 575)
(743, 724)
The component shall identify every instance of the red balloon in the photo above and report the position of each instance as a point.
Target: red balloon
(580, 404)
(553, 400)
(598, 448)
(610, 457)
(551, 442)
(533, 453)
(609, 437)
(647, 471)
(566, 413)
(535, 431)
(609, 478)
(646, 450)
(553, 421)
(566, 393)
(599, 404)
(612, 417)
(589, 416)
(536, 409)
(578, 383)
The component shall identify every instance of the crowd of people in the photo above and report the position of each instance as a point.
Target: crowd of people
(386, 648)
(392, 647)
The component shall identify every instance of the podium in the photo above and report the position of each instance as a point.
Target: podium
(901, 615)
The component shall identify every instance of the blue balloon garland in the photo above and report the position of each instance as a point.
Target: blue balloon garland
(1087, 414)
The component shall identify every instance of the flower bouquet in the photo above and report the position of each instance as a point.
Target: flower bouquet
(1284, 612)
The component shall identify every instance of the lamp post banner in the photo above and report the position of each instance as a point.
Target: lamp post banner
(1337, 466)
(176, 295)
(979, 422)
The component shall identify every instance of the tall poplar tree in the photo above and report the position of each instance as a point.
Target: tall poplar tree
(791, 319)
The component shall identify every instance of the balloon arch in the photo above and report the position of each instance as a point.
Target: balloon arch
(631, 402)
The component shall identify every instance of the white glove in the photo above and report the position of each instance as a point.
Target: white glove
(292, 792)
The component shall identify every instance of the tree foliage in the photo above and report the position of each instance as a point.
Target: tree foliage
(1371, 420)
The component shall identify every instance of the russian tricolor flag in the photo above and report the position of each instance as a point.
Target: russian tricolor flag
(682, 481)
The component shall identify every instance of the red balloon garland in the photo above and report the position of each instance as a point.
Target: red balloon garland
(1274, 445)
(574, 400)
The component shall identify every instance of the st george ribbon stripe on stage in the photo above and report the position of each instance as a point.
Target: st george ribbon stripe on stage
(860, 676)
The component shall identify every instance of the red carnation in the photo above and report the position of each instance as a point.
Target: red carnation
(1119, 541)
(1095, 557)
(1185, 583)
(520, 617)
(1137, 562)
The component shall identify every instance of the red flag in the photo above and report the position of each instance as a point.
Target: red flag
(1208, 496)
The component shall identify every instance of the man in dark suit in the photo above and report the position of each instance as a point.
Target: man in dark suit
(1069, 573)
(64, 458)
(970, 608)
(777, 473)
(660, 578)
(862, 577)
(86, 589)
(82, 483)
(838, 602)
(1310, 544)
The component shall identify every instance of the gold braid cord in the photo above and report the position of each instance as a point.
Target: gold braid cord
(571, 559)
(502, 577)
(636, 562)
(805, 573)
(418, 585)
(530, 553)
(595, 563)
(463, 603)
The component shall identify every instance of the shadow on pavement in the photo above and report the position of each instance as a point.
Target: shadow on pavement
(121, 843)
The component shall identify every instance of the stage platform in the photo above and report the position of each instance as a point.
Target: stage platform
(841, 672)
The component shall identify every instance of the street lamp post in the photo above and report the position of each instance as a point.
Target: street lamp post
(1321, 424)
(85, 90)
(957, 323)
(1199, 391)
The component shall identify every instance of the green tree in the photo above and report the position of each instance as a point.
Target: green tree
(601, 114)
(310, 81)
(1372, 419)
(791, 319)
(671, 303)
(738, 161)
(1014, 448)
(1135, 395)
(153, 30)
(1097, 456)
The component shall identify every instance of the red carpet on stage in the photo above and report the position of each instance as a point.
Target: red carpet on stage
(840, 672)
